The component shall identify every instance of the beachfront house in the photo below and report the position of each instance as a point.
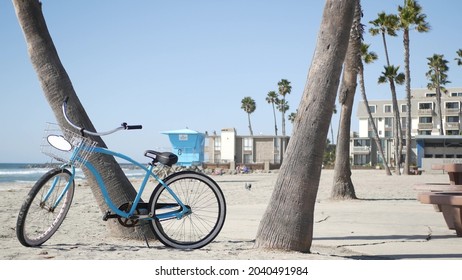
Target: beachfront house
(230, 150)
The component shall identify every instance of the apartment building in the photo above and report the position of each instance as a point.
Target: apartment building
(424, 128)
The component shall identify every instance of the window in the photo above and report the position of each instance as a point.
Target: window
(425, 119)
(248, 158)
(452, 105)
(425, 132)
(452, 132)
(388, 133)
(217, 144)
(248, 144)
(372, 108)
(362, 143)
(403, 108)
(388, 122)
(387, 108)
(361, 159)
(453, 119)
(455, 94)
(425, 106)
(403, 122)
(430, 94)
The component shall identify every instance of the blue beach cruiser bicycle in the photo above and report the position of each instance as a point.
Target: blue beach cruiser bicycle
(186, 210)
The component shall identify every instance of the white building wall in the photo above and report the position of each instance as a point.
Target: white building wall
(363, 127)
(228, 142)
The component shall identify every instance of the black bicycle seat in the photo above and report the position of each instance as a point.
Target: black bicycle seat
(165, 158)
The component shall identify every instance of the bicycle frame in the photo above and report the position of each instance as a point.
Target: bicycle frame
(178, 214)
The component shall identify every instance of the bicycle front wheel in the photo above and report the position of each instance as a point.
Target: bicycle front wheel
(45, 207)
(207, 210)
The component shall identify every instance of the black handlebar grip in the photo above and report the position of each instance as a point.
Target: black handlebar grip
(134, 127)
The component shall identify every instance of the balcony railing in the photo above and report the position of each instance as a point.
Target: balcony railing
(452, 111)
(425, 112)
(361, 150)
(452, 125)
(425, 126)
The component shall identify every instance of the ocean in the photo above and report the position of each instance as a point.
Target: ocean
(31, 172)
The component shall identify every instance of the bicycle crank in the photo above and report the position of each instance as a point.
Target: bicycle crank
(128, 222)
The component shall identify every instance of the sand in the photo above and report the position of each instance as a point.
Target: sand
(387, 222)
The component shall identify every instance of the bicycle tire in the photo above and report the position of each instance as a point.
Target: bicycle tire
(207, 202)
(37, 221)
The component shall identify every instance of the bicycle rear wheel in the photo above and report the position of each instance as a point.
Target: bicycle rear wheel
(41, 214)
(204, 222)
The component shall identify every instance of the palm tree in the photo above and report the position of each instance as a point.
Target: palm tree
(388, 24)
(56, 85)
(342, 187)
(272, 99)
(459, 57)
(292, 116)
(284, 88)
(437, 74)
(369, 57)
(249, 106)
(391, 76)
(410, 16)
(288, 221)
(385, 24)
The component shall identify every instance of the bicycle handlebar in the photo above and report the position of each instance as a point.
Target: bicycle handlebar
(123, 126)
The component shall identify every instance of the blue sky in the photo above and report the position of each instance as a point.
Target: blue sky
(175, 64)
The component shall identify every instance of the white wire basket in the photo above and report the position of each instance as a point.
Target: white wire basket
(75, 150)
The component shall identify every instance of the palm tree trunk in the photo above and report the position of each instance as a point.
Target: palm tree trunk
(371, 121)
(438, 108)
(250, 124)
(283, 118)
(407, 73)
(56, 86)
(386, 48)
(396, 128)
(343, 187)
(275, 123)
(288, 220)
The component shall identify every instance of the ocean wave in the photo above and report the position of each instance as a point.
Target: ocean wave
(22, 173)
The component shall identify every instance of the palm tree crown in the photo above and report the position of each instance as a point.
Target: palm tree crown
(367, 57)
(284, 88)
(249, 106)
(411, 15)
(438, 78)
(385, 24)
(390, 73)
(459, 57)
(437, 72)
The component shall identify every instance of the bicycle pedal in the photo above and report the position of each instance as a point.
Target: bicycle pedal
(108, 215)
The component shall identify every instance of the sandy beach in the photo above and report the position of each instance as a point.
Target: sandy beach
(386, 222)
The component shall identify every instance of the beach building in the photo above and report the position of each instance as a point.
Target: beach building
(230, 150)
(428, 146)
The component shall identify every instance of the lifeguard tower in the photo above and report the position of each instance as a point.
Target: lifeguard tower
(188, 145)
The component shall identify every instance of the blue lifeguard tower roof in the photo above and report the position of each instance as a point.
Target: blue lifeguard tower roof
(188, 145)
